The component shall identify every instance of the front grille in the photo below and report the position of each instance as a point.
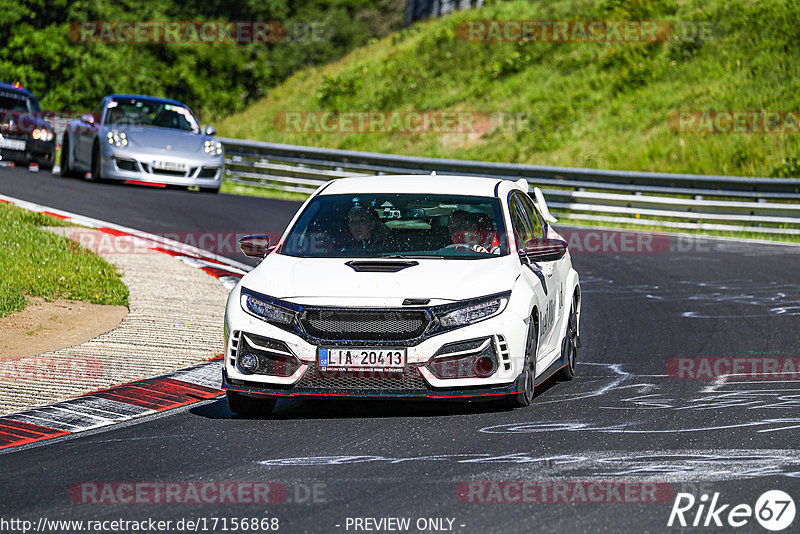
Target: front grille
(165, 172)
(362, 380)
(364, 325)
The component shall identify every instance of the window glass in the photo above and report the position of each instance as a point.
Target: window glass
(395, 224)
(519, 221)
(143, 112)
(534, 218)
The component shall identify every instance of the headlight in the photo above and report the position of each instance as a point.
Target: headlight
(42, 134)
(213, 148)
(266, 311)
(117, 139)
(474, 311)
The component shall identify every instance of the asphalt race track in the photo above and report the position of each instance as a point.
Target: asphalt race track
(627, 418)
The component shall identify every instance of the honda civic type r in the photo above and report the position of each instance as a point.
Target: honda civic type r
(405, 286)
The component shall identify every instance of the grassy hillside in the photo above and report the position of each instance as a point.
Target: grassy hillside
(38, 50)
(576, 104)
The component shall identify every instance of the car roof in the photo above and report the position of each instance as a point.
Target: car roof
(156, 98)
(10, 87)
(420, 183)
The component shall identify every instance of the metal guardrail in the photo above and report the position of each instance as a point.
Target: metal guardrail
(768, 205)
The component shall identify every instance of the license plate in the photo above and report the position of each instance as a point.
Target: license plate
(12, 144)
(362, 358)
(170, 166)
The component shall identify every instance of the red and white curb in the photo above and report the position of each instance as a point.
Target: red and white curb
(114, 405)
(134, 399)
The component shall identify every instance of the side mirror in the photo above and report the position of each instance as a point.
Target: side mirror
(255, 246)
(88, 118)
(543, 249)
(210, 130)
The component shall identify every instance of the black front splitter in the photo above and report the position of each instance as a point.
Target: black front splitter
(470, 394)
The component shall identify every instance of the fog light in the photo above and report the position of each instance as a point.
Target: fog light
(248, 362)
(264, 356)
(485, 366)
(471, 359)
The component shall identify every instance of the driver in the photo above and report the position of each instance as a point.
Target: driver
(463, 228)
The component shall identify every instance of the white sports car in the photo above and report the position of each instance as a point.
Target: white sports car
(405, 286)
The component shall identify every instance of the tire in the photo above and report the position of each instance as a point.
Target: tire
(244, 405)
(569, 345)
(66, 171)
(96, 174)
(527, 379)
(210, 190)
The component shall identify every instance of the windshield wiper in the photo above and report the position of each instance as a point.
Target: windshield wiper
(410, 256)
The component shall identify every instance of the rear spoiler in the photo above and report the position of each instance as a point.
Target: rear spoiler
(541, 203)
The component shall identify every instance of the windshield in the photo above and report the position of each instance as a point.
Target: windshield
(12, 101)
(408, 225)
(139, 112)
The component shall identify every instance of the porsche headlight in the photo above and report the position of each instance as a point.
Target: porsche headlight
(117, 139)
(213, 148)
(42, 134)
(474, 311)
(266, 311)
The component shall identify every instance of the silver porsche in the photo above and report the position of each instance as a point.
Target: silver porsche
(143, 140)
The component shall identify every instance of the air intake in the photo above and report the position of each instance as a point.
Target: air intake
(375, 266)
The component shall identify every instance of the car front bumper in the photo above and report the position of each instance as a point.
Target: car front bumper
(35, 151)
(507, 332)
(137, 166)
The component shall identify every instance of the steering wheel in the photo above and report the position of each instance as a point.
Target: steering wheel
(458, 246)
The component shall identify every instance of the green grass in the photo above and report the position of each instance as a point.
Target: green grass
(581, 104)
(36, 263)
(237, 189)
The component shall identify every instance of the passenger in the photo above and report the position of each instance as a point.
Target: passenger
(487, 233)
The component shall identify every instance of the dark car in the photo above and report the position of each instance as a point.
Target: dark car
(25, 137)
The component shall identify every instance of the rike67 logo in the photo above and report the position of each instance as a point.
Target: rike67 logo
(774, 510)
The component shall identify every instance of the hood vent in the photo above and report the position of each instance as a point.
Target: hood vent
(378, 266)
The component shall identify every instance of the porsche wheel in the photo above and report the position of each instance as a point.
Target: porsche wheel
(96, 174)
(66, 170)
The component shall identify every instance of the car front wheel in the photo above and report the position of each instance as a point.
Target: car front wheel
(95, 175)
(527, 380)
(66, 170)
(570, 344)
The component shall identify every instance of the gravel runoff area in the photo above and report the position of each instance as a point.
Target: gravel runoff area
(175, 320)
